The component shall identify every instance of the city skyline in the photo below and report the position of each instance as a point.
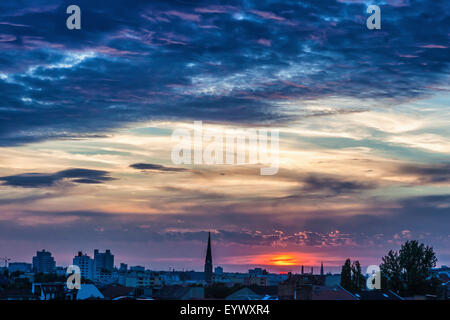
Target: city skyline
(294, 268)
(87, 117)
(209, 267)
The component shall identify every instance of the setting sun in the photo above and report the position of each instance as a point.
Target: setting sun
(284, 260)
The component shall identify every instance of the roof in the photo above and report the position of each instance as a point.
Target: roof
(115, 291)
(265, 290)
(254, 293)
(444, 277)
(16, 294)
(331, 293)
(89, 291)
(244, 294)
(172, 292)
(378, 295)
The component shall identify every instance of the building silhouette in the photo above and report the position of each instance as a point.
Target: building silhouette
(43, 262)
(86, 265)
(103, 261)
(208, 262)
(301, 286)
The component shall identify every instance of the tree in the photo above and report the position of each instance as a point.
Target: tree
(352, 278)
(346, 275)
(358, 280)
(409, 270)
(391, 272)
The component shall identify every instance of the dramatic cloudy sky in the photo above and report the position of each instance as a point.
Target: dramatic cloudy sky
(86, 118)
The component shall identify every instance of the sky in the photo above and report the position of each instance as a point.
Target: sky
(86, 119)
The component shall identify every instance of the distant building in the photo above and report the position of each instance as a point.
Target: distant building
(107, 278)
(141, 279)
(257, 271)
(256, 280)
(123, 267)
(60, 271)
(43, 262)
(218, 270)
(103, 260)
(52, 291)
(19, 267)
(86, 264)
(137, 268)
(299, 286)
(208, 262)
(231, 279)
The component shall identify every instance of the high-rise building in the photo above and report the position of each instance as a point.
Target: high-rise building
(43, 262)
(86, 265)
(103, 260)
(208, 262)
(321, 269)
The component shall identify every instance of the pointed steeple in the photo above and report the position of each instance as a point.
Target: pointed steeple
(208, 261)
(303, 270)
(321, 268)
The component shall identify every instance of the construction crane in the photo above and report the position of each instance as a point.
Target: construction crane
(5, 260)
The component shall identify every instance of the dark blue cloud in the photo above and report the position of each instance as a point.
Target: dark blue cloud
(218, 61)
(39, 180)
(155, 167)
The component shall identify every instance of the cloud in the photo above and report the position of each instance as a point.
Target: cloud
(155, 167)
(439, 173)
(334, 185)
(39, 180)
(157, 61)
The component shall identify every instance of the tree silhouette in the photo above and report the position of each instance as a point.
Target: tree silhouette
(358, 280)
(352, 278)
(408, 271)
(346, 275)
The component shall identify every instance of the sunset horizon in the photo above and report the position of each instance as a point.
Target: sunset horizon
(92, 122)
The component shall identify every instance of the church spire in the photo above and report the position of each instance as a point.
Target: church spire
(208, 262)
(321, 268)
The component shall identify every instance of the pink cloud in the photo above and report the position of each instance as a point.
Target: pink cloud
(184, 15)
(434, 46)
(267, 15)
(114, 52)
(265, 42)
(7, 38)
(217, 9)
(292, 84)
(407, 56)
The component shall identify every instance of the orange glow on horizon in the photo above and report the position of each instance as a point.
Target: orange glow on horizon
(284, 260)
